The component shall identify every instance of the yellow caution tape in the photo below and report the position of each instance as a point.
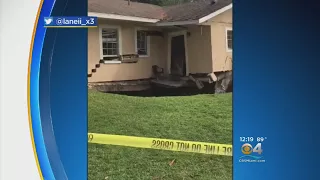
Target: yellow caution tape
(163, 144)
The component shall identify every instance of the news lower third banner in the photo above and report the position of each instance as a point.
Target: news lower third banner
(70, 22)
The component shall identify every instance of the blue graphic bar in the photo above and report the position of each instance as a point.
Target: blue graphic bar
(70, 22)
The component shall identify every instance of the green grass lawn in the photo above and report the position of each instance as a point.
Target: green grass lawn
(206, 118)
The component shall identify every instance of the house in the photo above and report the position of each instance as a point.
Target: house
(189, 38)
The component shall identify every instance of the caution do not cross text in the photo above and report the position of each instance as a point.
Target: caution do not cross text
(163, 144)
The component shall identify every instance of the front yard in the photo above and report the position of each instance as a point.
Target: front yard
(205, 118)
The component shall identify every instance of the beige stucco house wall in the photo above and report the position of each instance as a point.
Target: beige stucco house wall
(206, 50)
(124, 71)
(199, 49)
(221, 57)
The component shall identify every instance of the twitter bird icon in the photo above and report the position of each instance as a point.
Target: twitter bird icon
(48, 20)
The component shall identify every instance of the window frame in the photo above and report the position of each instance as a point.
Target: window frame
(226, 36)
(136, 41)
(118, 28)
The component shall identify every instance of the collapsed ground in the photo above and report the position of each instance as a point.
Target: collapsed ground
(205, 117)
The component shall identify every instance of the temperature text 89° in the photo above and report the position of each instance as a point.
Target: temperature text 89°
(261, 139)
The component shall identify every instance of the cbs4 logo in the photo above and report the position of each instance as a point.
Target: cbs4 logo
(248, 148)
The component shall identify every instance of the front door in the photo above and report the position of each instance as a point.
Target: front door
(178, 56)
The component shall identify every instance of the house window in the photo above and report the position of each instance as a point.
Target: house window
(110, 43)
(142, 47)
(229, 39)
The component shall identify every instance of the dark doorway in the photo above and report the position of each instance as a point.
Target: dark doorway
(178, 56)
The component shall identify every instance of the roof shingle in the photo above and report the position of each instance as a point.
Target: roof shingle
(121, 7)
(193, 10)
(181, 12)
